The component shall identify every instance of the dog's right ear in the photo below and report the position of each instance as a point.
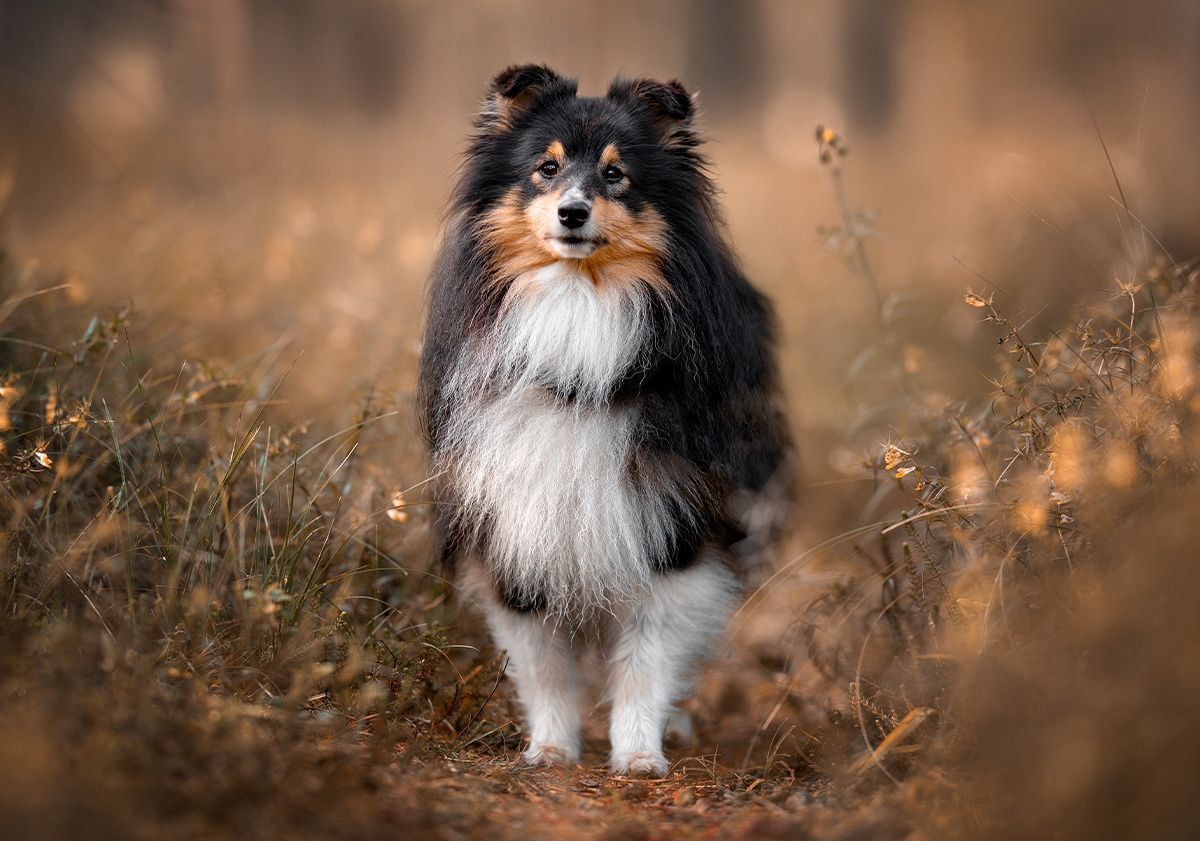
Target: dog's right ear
(515, 90)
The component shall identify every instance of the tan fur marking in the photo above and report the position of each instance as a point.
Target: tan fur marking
(518, 247)
(610, 156)
(632, 248)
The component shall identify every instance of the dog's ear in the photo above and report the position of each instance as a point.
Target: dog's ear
(668, 105)
(515, 90)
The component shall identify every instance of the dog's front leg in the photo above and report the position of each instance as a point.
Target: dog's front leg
(661, 642)
(541, 662)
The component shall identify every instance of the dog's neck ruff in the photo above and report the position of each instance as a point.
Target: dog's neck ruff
(546, 484)
(557, 328)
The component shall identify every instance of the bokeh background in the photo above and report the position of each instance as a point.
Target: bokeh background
(262, 173)
(259, 185)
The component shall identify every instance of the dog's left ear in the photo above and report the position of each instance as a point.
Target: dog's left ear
(668, 104)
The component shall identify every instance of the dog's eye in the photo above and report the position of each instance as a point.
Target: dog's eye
(613, 174)
(549, 169)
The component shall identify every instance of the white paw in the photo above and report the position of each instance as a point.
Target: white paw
(639, 764)
(539, 754)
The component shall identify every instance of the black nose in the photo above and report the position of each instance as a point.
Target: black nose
(574, 214)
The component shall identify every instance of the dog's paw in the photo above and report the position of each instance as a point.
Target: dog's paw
(541, 755)
(639, 764)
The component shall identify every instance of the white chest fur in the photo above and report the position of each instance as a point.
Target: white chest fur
(557, 327)
(564, 519)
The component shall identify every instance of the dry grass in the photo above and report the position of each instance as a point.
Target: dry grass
(1020, 629)
(198, 612)
(219, 621)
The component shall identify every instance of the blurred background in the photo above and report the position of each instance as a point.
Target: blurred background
(262, 182)
(270, 173)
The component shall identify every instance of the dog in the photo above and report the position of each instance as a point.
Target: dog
(599, 393)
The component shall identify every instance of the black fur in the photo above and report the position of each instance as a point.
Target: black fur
(706, 381)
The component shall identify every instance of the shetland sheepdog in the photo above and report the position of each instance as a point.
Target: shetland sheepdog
(599, 393)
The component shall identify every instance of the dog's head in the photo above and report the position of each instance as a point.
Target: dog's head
(558, 177)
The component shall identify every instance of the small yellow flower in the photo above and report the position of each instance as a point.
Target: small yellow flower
(893, 457)
(974, 300)
(396, 512)
(1031, 516)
